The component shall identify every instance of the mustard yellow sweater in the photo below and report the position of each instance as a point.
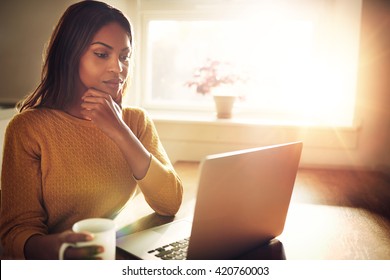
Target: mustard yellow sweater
(58, 169)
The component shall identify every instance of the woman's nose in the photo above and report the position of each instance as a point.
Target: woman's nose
(115, 66)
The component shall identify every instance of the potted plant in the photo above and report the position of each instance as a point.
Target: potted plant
(217, 78)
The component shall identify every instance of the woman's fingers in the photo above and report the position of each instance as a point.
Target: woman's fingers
(74, 237)
(93, 92)
(86, 252)
(75, 253)
(95, 102)
(94, 96)
(100, 108)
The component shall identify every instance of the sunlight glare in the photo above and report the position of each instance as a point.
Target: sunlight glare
(300, 65)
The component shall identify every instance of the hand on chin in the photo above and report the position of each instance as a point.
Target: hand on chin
(116, 94)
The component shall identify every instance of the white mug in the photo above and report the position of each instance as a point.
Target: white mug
(104, 234)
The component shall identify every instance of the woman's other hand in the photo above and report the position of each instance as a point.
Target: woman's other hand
(47, 247)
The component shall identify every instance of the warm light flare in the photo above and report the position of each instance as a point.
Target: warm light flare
(300, 57)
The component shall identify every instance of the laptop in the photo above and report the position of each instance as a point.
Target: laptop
(242, 202)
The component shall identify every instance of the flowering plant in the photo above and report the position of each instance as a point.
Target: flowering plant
(213, 74)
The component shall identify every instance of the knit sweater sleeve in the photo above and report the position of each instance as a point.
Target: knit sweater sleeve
(161, 186)
(21, 189)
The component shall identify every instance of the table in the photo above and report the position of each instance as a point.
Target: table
(317, 227)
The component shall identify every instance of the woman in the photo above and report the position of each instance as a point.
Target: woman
(72, 152)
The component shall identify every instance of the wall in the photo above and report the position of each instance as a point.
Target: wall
(374, 84)
(365, 146)
(25, 26)
(193, 139)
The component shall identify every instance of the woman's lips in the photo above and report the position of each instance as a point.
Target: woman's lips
(114, 84)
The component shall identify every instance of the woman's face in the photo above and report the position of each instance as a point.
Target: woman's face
(105, 64)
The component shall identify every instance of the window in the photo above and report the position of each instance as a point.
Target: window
(300, 56)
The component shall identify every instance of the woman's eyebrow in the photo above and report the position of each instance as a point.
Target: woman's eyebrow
(108, 46)
(100, 43)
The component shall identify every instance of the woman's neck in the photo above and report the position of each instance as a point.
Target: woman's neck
(74, 107)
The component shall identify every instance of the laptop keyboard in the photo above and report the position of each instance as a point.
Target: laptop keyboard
(173, 251)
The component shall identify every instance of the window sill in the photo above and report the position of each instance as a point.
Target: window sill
(207, 118)
(245, 133)
(188, 136)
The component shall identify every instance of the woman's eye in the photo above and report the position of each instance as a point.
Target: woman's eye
(101, 55)
(125, 58)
